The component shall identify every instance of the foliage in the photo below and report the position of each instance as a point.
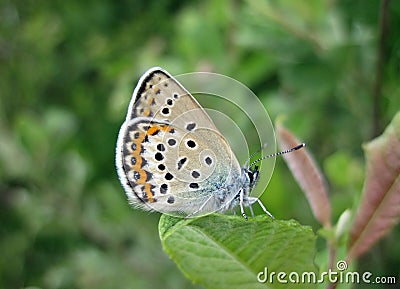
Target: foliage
(68, 69)
(379, 209)
(226, 251)
(221, 252)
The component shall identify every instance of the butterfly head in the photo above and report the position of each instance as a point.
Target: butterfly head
(252, 175)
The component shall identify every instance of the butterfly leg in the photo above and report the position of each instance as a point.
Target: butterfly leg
(264, 209)
(251, 211)
(241, 205)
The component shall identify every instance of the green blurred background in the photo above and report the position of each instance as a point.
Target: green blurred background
(68, 69)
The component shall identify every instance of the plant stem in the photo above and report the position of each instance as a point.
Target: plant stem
(332, 258)
(380, 61)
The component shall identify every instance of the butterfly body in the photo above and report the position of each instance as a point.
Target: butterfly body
(171, 157)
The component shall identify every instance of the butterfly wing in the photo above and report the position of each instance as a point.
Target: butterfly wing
(170, 156)
(160, 96)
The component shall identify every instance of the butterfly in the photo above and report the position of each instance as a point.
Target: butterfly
(171, 157)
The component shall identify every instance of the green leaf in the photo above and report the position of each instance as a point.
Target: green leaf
(219, 251)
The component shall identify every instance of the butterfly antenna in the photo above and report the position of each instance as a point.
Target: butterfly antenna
(279, 153)
(256, 152)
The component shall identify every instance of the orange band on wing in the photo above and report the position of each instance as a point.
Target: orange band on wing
(142, 177)
(149, 194)
(153, 130)
(166, 128)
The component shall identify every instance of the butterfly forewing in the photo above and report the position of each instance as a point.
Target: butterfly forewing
(159, 96)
